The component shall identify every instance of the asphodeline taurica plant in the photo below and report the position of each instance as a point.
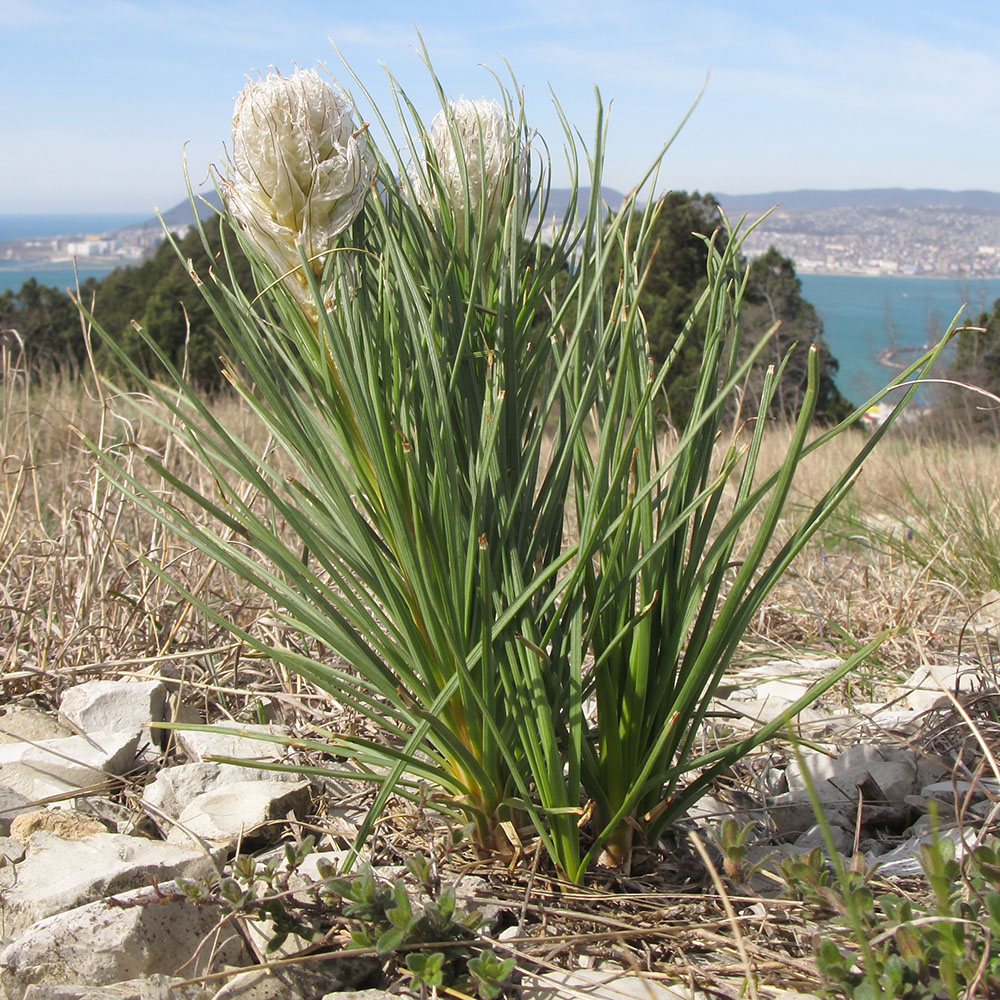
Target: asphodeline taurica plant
(300, 172)
(472, 523)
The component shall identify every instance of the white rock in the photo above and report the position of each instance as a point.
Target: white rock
(227, 814)
(791, 813)
(597, 984)
(308, 871)
(105, 942)
(116, 706)
(987, 616)
(788, 679)
(925, 688)
(53, 767)
(837, 779)
(761, 711)
(360, 995)
(946, 791)
(843, 841)
(199, 744)
(175, 788)
(147, 988)
(904, 860)
(58, 875)
(11, 851)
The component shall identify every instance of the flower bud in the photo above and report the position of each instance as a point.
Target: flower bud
(487, 145)
(300, 173)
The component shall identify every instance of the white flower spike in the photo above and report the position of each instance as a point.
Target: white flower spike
(301, 170)
(487, 136)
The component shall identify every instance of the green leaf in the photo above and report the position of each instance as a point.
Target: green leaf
(427, 967)
(389, 940)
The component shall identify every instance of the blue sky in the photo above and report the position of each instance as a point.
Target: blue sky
(102, 97)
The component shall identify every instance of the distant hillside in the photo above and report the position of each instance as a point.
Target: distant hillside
(183, 215)
(809, 200)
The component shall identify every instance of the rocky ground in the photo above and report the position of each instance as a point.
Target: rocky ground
(119, 840)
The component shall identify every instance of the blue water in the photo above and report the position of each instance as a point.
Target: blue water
(60, 276)
(27, 226)
(864, 316)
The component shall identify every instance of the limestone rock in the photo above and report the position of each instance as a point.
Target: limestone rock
(199, 744)
(11, 851)
(843, 840)
(925, 687)
(108, 942)
(791, 813)
(229, 813)
(53, 767)
(66, 823)
(147, 988)
(12, 804)
(175, 788)
(360, 995)
(948, 792)
(308, 872)
(837, 779)
(115, 706)
(58, 875)
(596, 984)
(987, 615)
(762, 711)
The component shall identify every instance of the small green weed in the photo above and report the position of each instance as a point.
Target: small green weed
(384, 917)
(732, 840)
(946, 945)
(420, 933)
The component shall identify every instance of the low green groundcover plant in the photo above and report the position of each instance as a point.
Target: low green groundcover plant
(524, 578)
(940, 943)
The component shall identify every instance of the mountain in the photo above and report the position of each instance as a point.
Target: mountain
(181, 215)
(812, 200)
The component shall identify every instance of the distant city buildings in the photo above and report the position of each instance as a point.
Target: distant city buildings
(927, 241)
(124, 246)
(874, 239)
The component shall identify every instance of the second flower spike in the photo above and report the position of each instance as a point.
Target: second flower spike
(470, 151)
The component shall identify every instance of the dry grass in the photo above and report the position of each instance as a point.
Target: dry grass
(78, 602)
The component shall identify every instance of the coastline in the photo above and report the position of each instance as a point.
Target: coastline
(925, 275)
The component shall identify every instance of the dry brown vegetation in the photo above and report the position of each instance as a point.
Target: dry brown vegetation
(79, 599)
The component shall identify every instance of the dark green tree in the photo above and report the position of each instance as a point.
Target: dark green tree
(46, 323)
(676, 279)
(774, 294)
(160, 296)
(976, 363)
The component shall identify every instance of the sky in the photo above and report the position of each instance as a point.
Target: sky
(105, 99)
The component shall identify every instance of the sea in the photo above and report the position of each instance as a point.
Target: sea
(867, 321)
(61, 274)
(25, 226)
(876, 325)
